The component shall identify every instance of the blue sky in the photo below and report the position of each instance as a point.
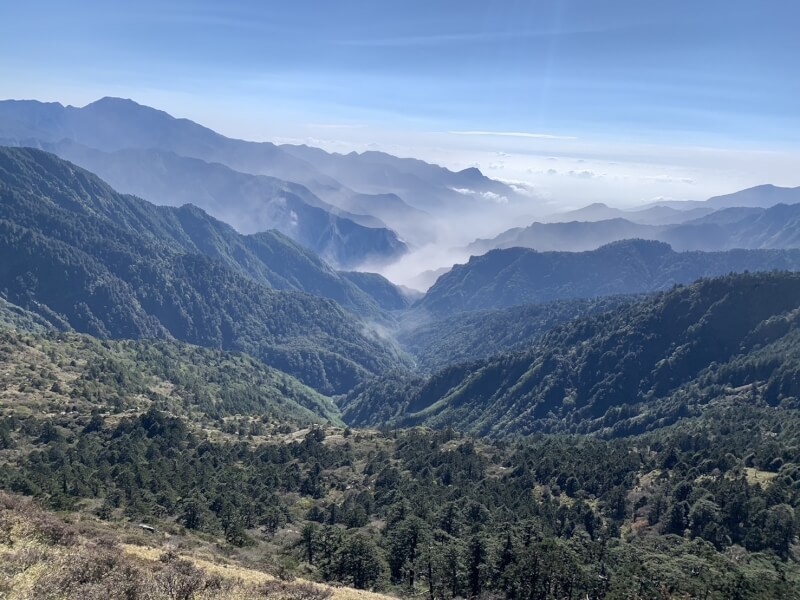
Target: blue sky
(616, 74)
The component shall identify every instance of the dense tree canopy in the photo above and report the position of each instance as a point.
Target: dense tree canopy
(637, 368)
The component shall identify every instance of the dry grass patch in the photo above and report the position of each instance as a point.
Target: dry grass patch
(42, 558)
(754, 476)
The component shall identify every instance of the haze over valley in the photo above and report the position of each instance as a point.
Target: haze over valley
(366, 301)
(367, 211)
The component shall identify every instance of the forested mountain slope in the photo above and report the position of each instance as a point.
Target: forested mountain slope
(516, 276)
(19, 319)
(623, 372)
(115, 266)
(704, 510)
(437, 343)
(50, 372)
(266, 257)
(251, 203)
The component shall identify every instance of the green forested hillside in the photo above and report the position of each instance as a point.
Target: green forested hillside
(268, 257)
(437, 343)
(707, 509)
(387, 295)
(18, 319)
(503, 278)
(79, 253)
(627, 371)
(52, 374)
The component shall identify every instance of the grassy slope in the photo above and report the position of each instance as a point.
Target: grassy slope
(42, 557)
(73, 375)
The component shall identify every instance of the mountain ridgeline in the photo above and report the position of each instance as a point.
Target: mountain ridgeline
(619, 373)
(714, 226)
(675, 212)
(251, 203)
(516, 276)
(84, 257)
(351, 209)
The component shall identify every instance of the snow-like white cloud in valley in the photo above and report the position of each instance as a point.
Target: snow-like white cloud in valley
(485, 195)
(555, 175)
(584, 174)
(626, 174)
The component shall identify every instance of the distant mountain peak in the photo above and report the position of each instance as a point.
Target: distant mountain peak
(763, 186)
(471, 172)
(115, 101)
(372, 189)
(762, 196)
(114, 105)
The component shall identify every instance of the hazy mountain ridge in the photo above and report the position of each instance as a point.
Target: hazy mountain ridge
(387, 189)
(760, 196)
(665, 212)
(774, 227)
(574, 236)
(515, 276)
(422, 185)
(103, 262)
(724, 229)
(250, 203)
(267, 257)
(652, 215)
(142, 150)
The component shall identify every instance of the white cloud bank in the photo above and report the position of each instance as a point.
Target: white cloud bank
(516, 134)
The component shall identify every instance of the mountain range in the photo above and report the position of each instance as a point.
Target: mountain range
(760, 196)
(651, 215)
(87, 258)
(250, 203)
(637, 367)
(516, 276)
(723, 229)
(360, 199)
(670, 212)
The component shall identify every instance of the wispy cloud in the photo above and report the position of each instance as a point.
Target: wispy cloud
(585, 174)
(517, 134)
(487, 195)
(471, 37)
(436, 39)
(337, 125)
